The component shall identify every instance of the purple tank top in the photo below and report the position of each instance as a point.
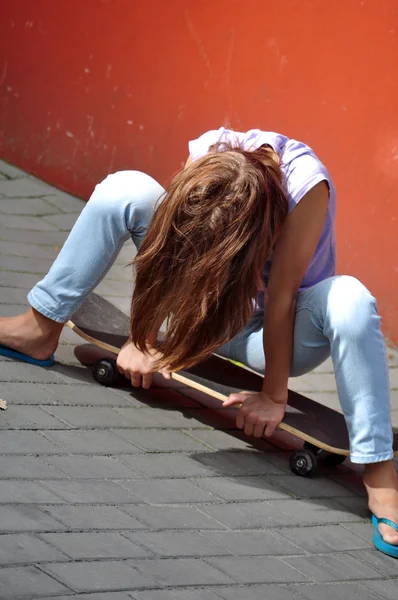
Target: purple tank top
(302, 170)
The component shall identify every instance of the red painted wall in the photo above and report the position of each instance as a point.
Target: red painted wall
(91, 86)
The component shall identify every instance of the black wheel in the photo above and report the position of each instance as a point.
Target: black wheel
(334, 460)
(303, 463)
(105, 372)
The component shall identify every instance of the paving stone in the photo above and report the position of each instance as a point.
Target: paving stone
(171, 517)
(348, 591)
(177, 544)
(64, 222)
(8, 310)
(240, 488)
(322, 539)
(325, 367)
(85, 395)
(25, 548)
(24, 188)
(27, 582)
(394, 378)
(162, 418)
(10, 171)
(220, 440)
(102, 417)
(13, 295)
(123, 304)
(27, 467)
(252, 543)
(259, 592)
(332, 567)
(92, 517)
(258, 570)
(31, 417)
(18, 280)
(91, 467)
(24, 264)
(246, 462)
(304, 487)
(26, 394)
(25, 442)
(94, 545)
(385, 565)
(26, 492)
(27, 206)
(179, 572)
(164, 465)
(50, 239)
(22, 372)
(88, 442)
(91, 492)
(27, 222)
(315, 511)
(362, 530)
(356, 508)
(26, 518)
(99, 596)
(248, 515)
(176, 491)
(65, 202)
(386, 588)
(175, 594)
(158, 440)
(114, 288)
(97, 575)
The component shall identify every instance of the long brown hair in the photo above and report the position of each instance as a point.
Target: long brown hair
(201, 261)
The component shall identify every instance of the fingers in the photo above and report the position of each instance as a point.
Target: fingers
(135, 378)
(233, 400)
(147, 381)
(165, 373)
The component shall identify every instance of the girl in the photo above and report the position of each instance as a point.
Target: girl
(239, 256)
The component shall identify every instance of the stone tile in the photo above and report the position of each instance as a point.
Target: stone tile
(89, 442)
(27, 582)
(329, 399)
(95, 596)
(94, 545)
(247, 462)
(240, 488)
(24, 187)
(27, 467)
(90, 492)
(123, 304)
(26, 548)
(26, 492)
(63, 222)
(22, 372)
(176, 594)
(254, 543)
(25, 442)
(394, 378)
(323, 539)
(177, 544)
(248, 515)
(85, 417)
(31, 417)
(332, 567)
(25, 265)
(28, 250)
(26, 518)
(172, 517)
(258, 570)
(315, 512)
(164, 465)
(26, 206)
(85, 395)
(92, 518)
(91, 467)
(380, 562)
(11, 295)
(179, 572)
(176, 491)
(323, 382)
(53, 239)
(18, 280)
(65, 202)
(157, 440)
(8, 310)
(362, 530)
(348, 591)
(27, 222)
(259, 592)
(10, 171)
(305, 487)
(387, 589)
(325, 367)
(114, 288)
(221, 440)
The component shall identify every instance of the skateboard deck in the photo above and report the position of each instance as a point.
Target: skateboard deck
(321, 428)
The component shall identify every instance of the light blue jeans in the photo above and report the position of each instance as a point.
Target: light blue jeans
(337, 316)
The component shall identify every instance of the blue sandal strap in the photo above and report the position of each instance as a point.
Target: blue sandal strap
(387, 522)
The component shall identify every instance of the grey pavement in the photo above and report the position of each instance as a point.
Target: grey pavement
(112, 494)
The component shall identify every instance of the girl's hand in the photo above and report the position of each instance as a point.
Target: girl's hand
(137, 366)
(258, 414)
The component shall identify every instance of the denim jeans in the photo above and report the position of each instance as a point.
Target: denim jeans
(336, 317)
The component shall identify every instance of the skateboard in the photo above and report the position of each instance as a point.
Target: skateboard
(322, 429)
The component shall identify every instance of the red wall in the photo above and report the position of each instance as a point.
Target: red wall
(91, 86)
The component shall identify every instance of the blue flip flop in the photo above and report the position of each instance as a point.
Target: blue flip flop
(385, 547)
(5, 351)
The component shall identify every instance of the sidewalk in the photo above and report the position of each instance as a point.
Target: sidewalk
(128, 495)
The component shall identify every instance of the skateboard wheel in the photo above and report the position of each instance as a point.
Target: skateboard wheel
(303, 463)
(105, 372)
(334, 460)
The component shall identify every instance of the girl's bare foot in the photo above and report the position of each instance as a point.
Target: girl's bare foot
(31, 333)
(381, 482)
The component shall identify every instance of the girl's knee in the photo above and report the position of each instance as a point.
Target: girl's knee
(126, 186)
(350, 305)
